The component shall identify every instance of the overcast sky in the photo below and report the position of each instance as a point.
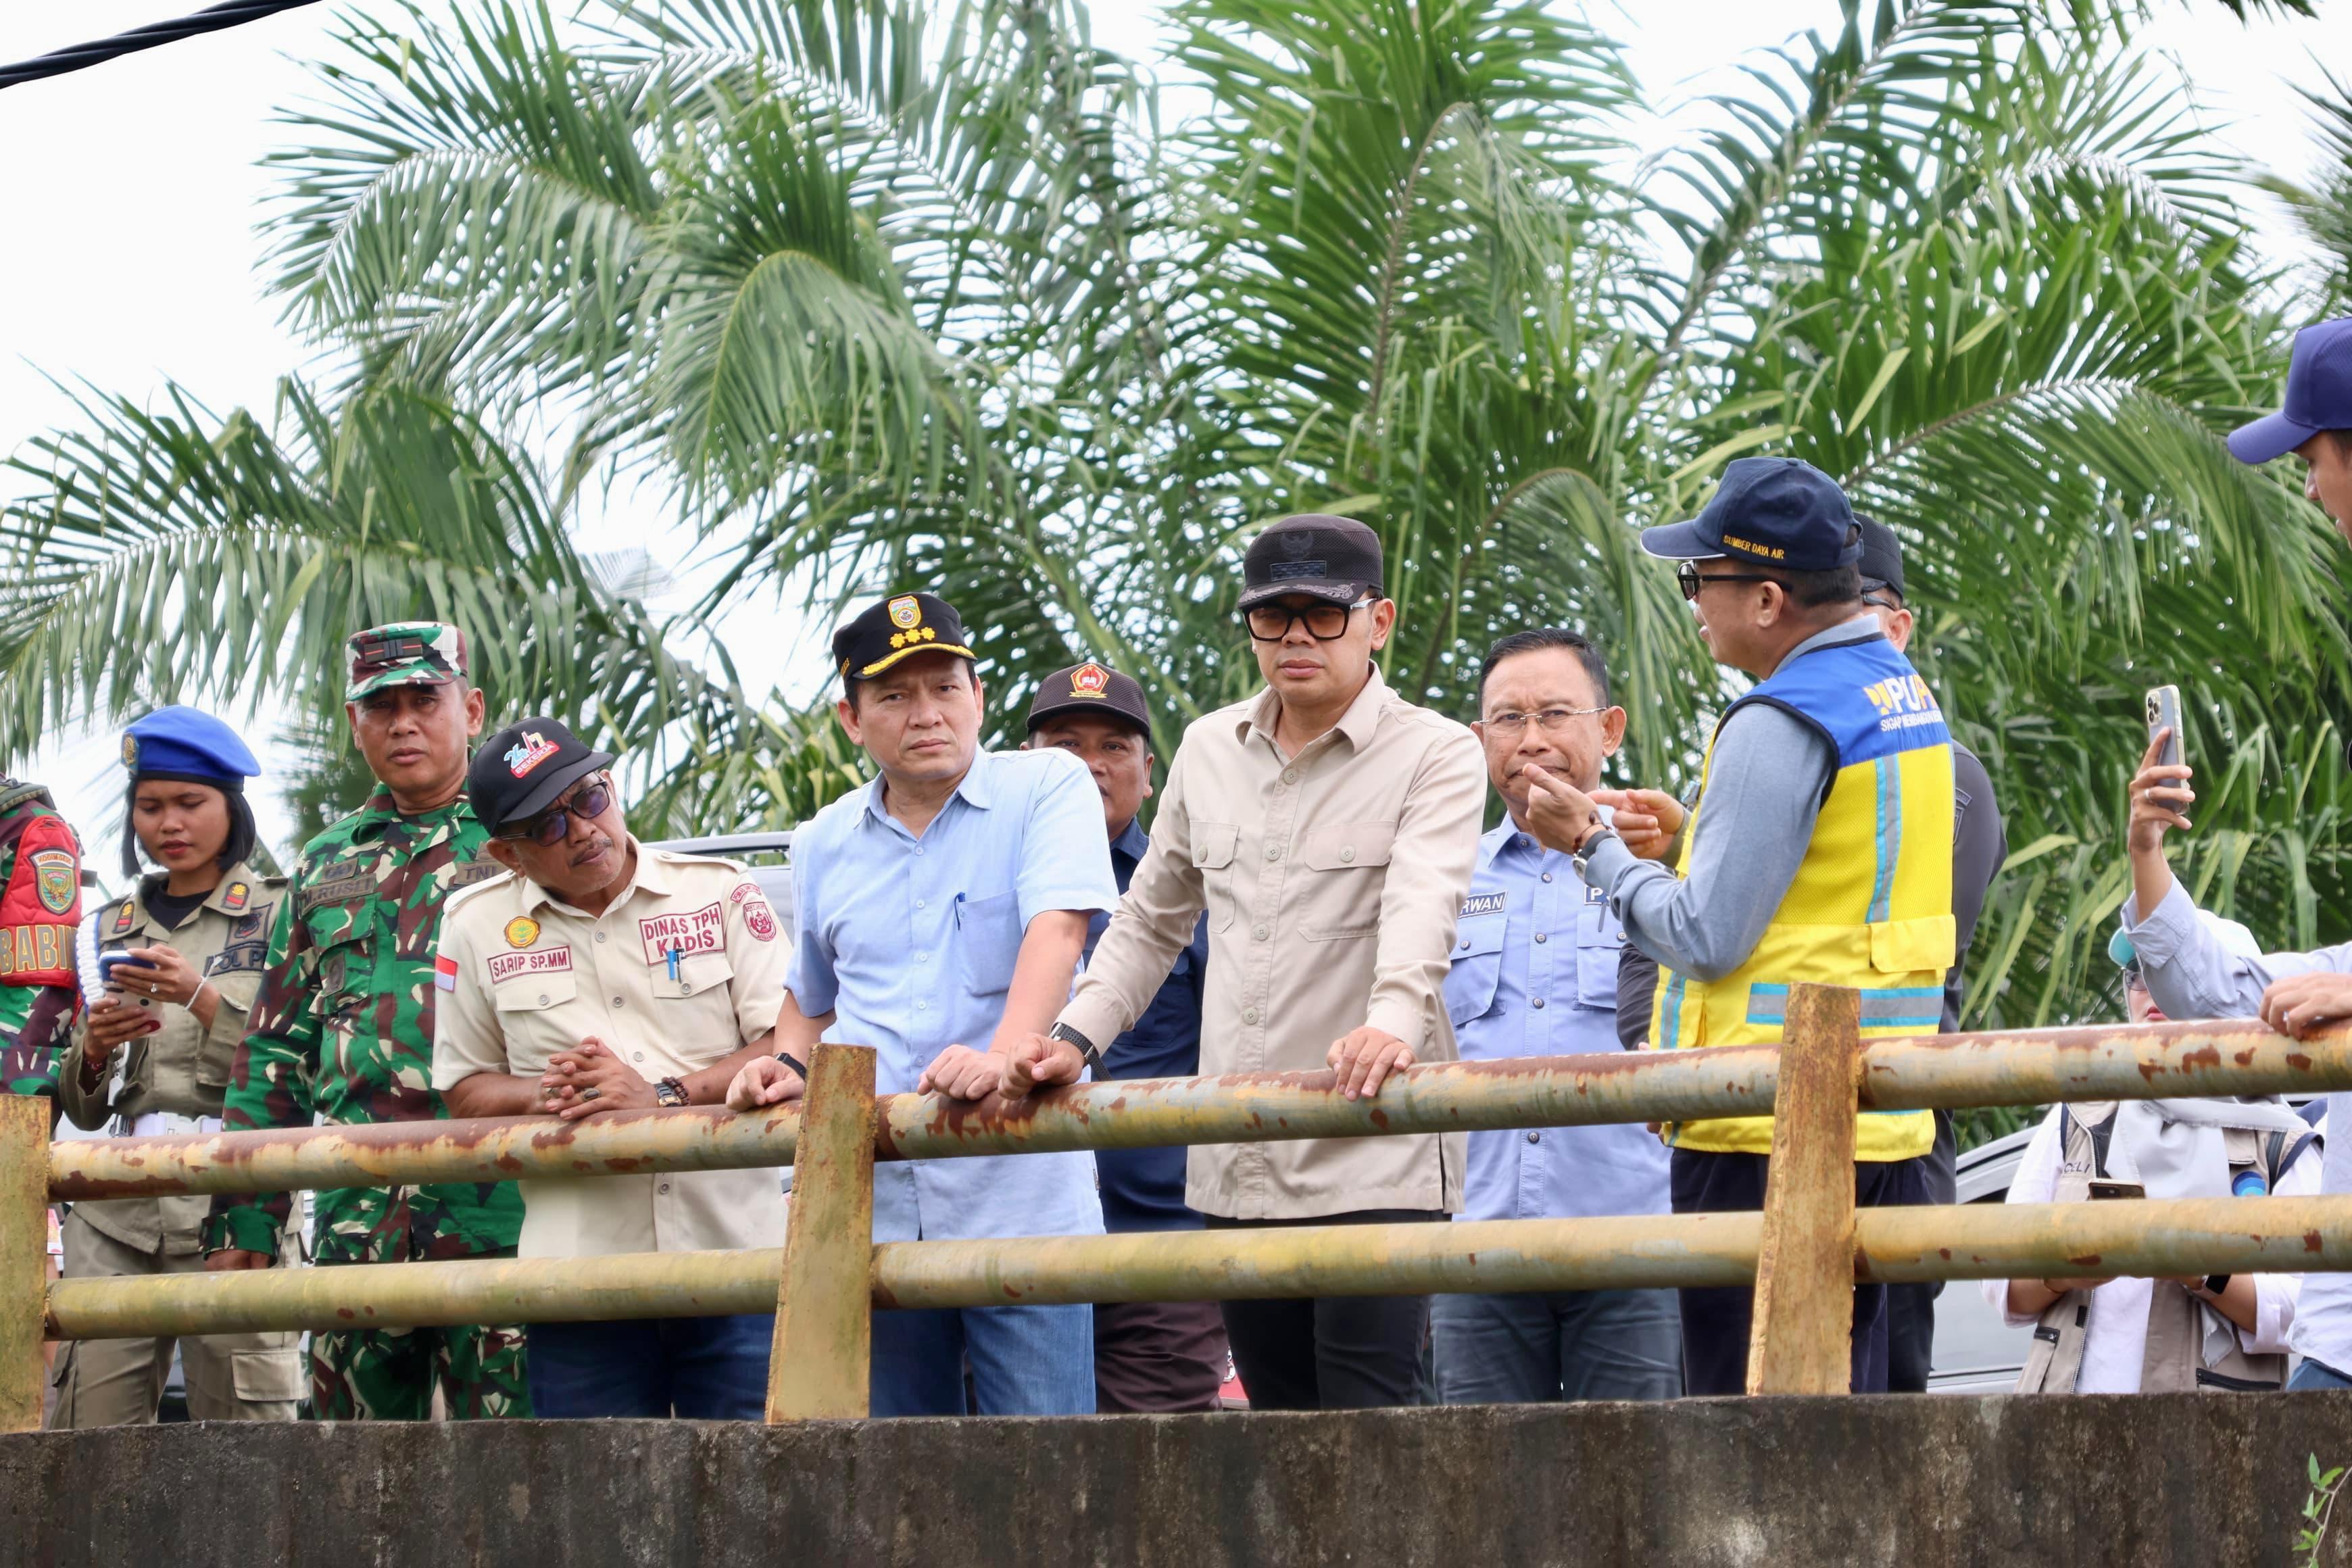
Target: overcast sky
(130, 191)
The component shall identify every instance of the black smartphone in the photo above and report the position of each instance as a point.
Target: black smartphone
(2164, 713)
(2103, 1188)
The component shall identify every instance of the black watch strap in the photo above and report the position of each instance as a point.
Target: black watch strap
(1085, 1047)
(2215, 1283)
(795, 1063)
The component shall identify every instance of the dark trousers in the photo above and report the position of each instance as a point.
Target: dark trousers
(703, 1369)
(1911, 1308)
(1158, 1356)
(1335, 1352)
(1716, 1319)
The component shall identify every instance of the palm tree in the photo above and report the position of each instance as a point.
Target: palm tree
(885, 292)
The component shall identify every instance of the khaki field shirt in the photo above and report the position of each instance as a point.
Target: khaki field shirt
(1331, 879)
(181, 1068)
(525, 975)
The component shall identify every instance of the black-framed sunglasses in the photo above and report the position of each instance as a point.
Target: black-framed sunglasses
(1687, 577)
(1325, 623)
(589, 801)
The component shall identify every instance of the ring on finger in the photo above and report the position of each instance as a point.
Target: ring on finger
(592, 1092)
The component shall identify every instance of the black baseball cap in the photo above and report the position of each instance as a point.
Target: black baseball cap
(1090, 688)
(1777, 511)
(520, 771)
(1882, 555)
(896, 628)
(2318, 395)
(1336, 559)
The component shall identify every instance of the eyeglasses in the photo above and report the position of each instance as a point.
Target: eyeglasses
(1271, 622)
(553, 826)
(1686, 575)
(1880, 602)
(1551, 720)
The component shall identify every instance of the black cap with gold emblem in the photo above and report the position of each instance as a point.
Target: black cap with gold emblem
(899, 628)
(1090, 688)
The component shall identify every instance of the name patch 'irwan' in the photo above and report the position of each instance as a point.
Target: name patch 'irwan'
(1482, 904)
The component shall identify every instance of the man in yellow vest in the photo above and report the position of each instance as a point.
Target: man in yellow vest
(1820, 850)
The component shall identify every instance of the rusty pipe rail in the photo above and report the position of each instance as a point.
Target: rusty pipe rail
(1975, 1242)
(2145, 1061)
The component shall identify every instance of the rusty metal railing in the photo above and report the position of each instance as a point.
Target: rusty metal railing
(1804, 1251)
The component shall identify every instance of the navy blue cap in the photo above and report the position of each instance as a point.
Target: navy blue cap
(1776, 511)
(184, 743)
(2318, 395)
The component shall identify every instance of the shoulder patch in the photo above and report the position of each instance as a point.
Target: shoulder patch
(233, 900)
(1482, 904)
(126, 916)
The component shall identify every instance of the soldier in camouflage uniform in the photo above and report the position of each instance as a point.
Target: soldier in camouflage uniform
(40, 905)
(343, 1027)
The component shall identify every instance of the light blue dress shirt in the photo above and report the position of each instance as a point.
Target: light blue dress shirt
(911, 941)
(1535, 975)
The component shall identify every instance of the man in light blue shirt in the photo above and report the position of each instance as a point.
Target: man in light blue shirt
(1535, 974)
(942, 910)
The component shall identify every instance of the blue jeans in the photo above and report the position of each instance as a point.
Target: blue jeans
(705, 1369)
(1540, 1346)
(1025, 1361)
(2314, 1374)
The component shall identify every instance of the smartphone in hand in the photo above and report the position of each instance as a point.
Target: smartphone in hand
(2164, 713)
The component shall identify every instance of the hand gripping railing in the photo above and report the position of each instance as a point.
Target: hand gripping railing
(1803, 1252)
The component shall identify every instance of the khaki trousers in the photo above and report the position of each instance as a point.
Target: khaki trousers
(120, 1382)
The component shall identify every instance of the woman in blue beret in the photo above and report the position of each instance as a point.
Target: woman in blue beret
(153, 1055)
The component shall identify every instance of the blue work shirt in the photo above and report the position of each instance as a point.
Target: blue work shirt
(1143, 1189)
(1535, 975)
(911, 942)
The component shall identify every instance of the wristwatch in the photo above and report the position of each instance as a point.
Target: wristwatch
(1085, 1047)
(669, 1092)
(1593, 840)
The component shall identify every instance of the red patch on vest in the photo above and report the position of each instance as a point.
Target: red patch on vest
(42, 906)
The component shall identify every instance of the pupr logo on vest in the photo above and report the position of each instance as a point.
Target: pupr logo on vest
(1902, 703)
(528, 753)
(521, 931)
(55, 879)
(1089, 681)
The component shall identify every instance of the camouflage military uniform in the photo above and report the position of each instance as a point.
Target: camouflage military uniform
(343, 1027)
(40, 905)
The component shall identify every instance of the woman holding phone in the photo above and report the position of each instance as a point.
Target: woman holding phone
(182, 953)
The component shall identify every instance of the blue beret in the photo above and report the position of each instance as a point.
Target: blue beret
(182, 743)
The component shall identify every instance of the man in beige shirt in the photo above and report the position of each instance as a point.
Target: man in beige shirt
(600, 975)
(1329, 827)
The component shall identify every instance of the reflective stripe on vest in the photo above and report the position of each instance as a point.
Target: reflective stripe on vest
(1871, 904)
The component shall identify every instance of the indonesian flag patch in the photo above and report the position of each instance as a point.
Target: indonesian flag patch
(445, 972)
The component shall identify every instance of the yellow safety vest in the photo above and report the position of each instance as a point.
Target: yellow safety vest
(1870, 905)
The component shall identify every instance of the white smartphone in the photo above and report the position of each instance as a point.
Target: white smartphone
(2164, 713)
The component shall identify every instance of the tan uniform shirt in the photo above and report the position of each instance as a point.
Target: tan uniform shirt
(525, 975)
(1331, 879)
(181, 1068)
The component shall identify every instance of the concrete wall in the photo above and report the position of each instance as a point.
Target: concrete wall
(2207, 1480)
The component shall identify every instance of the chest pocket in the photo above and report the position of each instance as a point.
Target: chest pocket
(988, 941)
(1471, 982)
(1348, 868)
(534, 993)
(697, 977)
(343, 931)
(1213, 845)
(1599, 944)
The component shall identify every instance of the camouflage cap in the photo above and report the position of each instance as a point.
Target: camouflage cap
(406, 653)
